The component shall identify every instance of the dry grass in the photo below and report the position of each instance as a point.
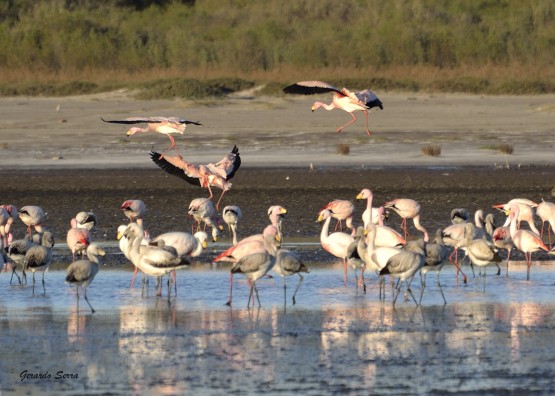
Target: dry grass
(431, 150)
(342, 149)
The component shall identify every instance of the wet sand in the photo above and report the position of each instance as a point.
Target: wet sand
(334, 340)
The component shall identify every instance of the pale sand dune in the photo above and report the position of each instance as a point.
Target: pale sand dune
(281, 131)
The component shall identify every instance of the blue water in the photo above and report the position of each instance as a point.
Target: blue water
(334, 340)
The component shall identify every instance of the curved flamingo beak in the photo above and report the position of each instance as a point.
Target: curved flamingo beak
(359, 196)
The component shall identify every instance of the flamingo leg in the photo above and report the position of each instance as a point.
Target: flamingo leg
(344, 272)
(350, 122)
(298, 286)
(367, 129)
(230, 288)
(172, 145)
(218, 203)
(87, 300)
(134, 275)
(528, 264)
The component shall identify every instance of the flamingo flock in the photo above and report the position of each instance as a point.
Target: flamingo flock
(365, 242)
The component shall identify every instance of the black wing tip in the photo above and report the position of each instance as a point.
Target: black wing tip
(187, 122)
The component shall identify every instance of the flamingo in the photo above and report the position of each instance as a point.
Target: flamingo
(459, 215)
(77, 239)
(134, 210)
(39, 257)
(341, 209)
(125, 247)
(276, 214)
(436, 257)
(481, 252)
(526, 212)
(217, 175)
(231, 215)
(342, 99)
(502, 240)
(256, 265)
(16, 253)
(8, 214)
(165, 125)
(524, 240)
(370, 213)
(153, 260)
(406, 208)
(203, 211)
(404, 266)
(546, 212)
(289, 263)
(336, 243)
(251, 244)
(85, 220)
(82, 272)
(32, 216)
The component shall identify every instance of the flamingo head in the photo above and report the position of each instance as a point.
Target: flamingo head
(365, 194)
(324, 214)
(501, 207)
(134, 130)
(316, 106)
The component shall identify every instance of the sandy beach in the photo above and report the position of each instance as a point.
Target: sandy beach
(58, 154)
(281, 131)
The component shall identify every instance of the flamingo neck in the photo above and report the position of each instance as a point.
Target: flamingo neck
(420, 227)
(325, 230)
(328, 107)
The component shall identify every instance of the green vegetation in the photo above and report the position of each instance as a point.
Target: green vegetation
(212, 47)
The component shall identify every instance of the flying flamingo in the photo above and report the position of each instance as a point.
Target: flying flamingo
(336, 243)
(134, 210)
(524, 240)
(82, 272)
(546, 212)
(165, 125)
(407, 209)
(231, 215)
(217, 175)
(256, 265)
(32, 216)
(342, 99)
(341, 209)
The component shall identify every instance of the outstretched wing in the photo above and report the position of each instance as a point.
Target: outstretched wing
(369, 98)
(151, 120)
(229, 164)
(311, 88)
(174, 166)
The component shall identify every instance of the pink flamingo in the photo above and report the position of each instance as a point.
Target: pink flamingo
(78, 239)
(546, 212)
(502, 240)
(341, 209)
(524, 240)
(217, 175)
(336, 243)
(526, 212)
(134, 210)
(32, 216)
(8, 214)
(342, 99)
(165, 125)
(407, 209)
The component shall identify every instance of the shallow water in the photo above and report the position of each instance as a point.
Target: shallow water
(333, 340)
